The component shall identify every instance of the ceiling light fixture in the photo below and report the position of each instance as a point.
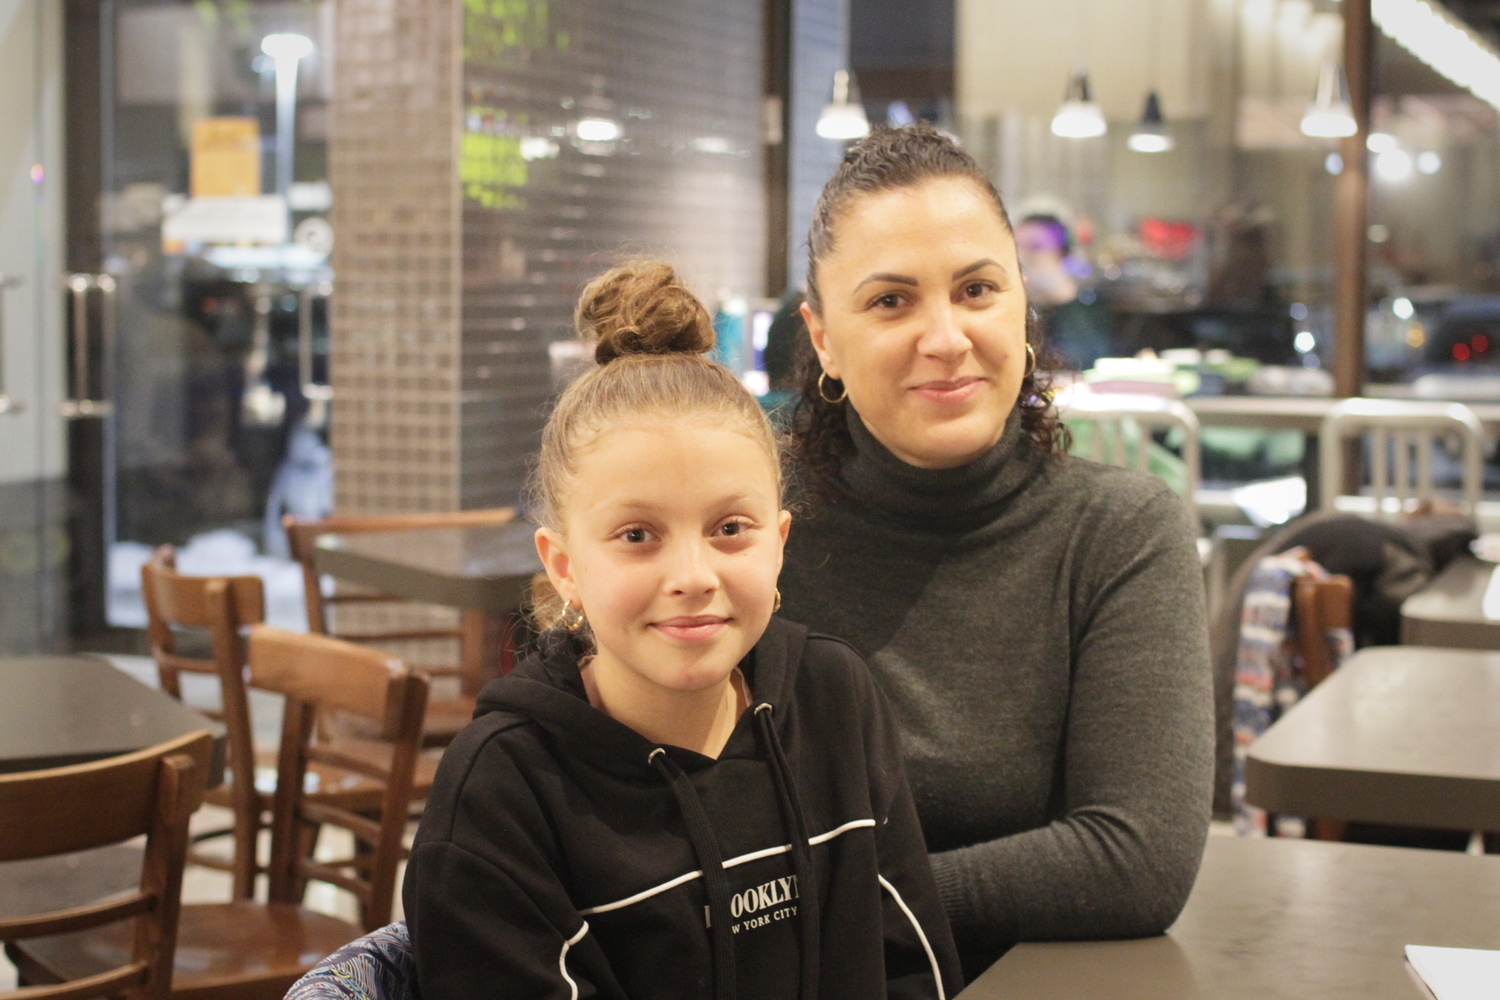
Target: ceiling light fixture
(844, 117)
(1434, 35)
(1079, 116)
(597, 129)
(1331, 116)
(1151, 135)
(1393, 164)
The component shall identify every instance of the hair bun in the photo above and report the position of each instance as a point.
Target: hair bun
(642, 308)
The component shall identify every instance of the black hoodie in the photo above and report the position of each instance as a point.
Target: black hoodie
(564, 855)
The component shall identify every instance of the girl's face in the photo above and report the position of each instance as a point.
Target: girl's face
(671, 544)
(924, 319)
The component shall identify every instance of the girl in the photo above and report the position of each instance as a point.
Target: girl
(680, 795)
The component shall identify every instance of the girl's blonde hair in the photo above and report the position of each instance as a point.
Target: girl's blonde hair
(650, 335)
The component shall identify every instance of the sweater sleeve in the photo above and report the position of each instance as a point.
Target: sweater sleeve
(476, 933)
(921, 962)
(1135, 789)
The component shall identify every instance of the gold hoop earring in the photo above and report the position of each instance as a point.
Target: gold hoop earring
(1030, 361)
(777, 606)
(569, 622)
(823, 390)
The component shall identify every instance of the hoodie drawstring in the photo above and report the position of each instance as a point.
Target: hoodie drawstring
(796, 823)
(711, 861)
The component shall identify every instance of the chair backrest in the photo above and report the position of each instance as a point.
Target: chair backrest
(318, 673)
(221, 606)
(1322, 606)
(1401, 434)
(302, 541)
(1114, 443)
(67, 809)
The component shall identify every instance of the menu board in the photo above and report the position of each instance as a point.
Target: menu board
(225, 158)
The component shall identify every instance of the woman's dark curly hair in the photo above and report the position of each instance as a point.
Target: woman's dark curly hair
(888, 159)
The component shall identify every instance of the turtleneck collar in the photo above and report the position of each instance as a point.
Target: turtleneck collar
(939, 501)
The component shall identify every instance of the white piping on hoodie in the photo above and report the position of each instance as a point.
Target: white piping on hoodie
(821, 838)
(562, 959)
(937, 976)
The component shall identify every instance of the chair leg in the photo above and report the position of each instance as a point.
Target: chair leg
(246, 834)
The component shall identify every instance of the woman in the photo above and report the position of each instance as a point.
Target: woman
(1036, 620)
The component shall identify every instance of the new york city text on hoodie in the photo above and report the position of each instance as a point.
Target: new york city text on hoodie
(563, 855)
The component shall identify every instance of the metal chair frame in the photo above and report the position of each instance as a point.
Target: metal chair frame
(1109, 411)
(1400, 434)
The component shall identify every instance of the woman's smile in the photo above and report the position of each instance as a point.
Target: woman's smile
(950, 392)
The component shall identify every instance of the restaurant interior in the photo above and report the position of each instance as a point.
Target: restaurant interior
(287, 290)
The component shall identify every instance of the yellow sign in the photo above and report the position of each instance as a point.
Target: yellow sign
(225, 158)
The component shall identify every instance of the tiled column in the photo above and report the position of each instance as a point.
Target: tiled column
(396, 353)
(474, 195)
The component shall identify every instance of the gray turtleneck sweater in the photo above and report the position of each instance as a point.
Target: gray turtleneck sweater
(1037, 624)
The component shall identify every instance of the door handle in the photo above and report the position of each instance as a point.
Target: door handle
(7, 404)
(310, 390)
(78, 404)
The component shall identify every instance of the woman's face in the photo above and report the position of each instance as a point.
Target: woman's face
(924, 319)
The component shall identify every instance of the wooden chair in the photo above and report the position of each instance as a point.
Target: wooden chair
(445, 716)
(222, 606)
(256, 951)
(1320, 606)
(67, 809)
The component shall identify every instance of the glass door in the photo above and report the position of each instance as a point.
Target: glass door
(34, 508)
(213, 302)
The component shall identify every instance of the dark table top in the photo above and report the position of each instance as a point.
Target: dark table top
(1277, 918)
(1399, 734)
(1449, 611)
(60, 710)
(484, 569)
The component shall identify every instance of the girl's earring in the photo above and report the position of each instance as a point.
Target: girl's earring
(573, 618)
(1030, 361)
(823, 390)
(777, 606)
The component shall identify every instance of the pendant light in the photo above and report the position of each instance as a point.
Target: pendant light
(843, 117)
(1331, 116)
(1151, 134)
(1079, 116)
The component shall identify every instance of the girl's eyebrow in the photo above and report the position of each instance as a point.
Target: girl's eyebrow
(647, 505)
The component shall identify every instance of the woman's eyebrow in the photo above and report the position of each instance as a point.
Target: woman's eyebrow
(987, 262)
(899, 279)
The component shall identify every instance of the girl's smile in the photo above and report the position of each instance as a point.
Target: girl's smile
(698, 628)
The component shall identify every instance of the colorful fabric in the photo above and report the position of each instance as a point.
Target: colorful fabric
(1269, 675)
(377, 966)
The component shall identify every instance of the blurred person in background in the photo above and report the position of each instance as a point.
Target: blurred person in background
(1076, 322)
